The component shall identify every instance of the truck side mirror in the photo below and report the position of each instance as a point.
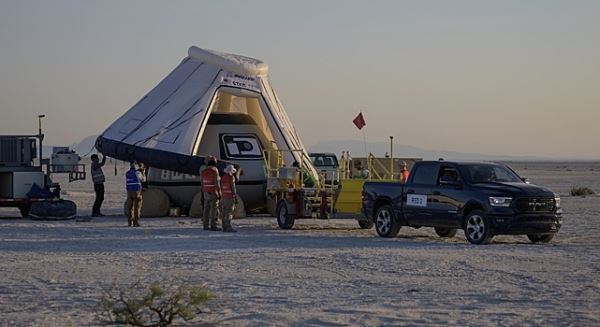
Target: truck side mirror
(525, 180)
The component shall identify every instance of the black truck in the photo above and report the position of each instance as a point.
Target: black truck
(483, 199)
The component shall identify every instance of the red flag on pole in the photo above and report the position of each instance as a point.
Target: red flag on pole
(359, 121)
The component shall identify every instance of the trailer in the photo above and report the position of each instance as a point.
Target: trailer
(336, 194)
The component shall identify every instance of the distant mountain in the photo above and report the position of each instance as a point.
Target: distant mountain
(357, 149)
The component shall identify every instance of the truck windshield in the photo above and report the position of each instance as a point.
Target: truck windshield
(324, 160)
(485, 173)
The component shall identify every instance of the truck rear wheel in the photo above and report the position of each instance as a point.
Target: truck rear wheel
(540, 238)
(285, 220)
(385, 222)
(477, 228)
(445, 232)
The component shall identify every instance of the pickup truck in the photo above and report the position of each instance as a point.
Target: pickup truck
(483, 199)
(325, 163)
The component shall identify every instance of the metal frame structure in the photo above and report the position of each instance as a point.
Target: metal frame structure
(338, 197)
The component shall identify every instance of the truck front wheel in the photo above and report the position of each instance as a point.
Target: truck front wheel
(477, 228)
(385, 222)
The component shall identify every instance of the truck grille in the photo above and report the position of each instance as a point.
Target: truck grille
(535, 205)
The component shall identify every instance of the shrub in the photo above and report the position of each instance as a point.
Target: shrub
(155, 305)
(581, 191)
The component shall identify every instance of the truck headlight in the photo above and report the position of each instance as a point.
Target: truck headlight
(498, 201)
(557, 200)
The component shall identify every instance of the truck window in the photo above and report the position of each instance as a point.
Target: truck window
(426, 174)
(485, 173)
(328, 161)
(324, 160)
(448, 174)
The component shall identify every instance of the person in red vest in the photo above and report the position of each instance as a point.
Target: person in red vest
(211, 188)
(229, 198)
(403, 172)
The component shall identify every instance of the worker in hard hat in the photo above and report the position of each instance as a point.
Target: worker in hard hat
(134, 178)
(361, 172)
(211, 189)
(229, 197)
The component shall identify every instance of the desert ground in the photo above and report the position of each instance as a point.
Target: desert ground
(321, 273)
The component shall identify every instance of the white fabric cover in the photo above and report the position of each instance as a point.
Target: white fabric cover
(171, 118)
(230, 62)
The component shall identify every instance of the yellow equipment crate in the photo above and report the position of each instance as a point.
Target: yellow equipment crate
(349, 199)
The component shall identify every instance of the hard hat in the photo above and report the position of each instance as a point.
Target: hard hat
(230, 169)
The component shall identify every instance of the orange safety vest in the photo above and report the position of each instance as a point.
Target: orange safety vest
(227, 186)
(209, 180)
(405, 173)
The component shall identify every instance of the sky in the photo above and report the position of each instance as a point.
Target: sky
(494, 77)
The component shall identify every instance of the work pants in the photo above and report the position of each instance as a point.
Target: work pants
(134, 207)
(211, 208)
(99, 189)
(227, 209)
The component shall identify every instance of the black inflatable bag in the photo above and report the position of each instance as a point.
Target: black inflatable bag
(53, 210)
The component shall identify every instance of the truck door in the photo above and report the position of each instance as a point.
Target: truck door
(445, 199)
(418, 194)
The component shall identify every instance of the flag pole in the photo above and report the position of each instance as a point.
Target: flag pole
(365, 142)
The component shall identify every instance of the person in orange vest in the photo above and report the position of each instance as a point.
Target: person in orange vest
(211, 189)
(229, 199)
(403, 172)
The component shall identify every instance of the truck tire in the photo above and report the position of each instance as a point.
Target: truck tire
(285, 220)
(445, 232)
(365, 224)
(385, 222)
(540, 238)
(477, 227)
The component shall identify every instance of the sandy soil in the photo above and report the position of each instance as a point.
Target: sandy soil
(322, 273)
